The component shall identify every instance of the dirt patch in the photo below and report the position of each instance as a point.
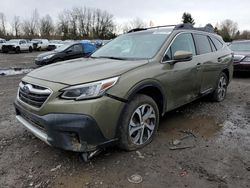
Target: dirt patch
(219, 158)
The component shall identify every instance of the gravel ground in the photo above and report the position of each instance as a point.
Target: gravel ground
(217, 154)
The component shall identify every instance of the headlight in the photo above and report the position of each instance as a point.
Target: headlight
(48, 56)
(246, 59)
(90, 90)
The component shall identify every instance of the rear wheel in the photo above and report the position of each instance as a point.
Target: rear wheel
(30, 49)
(219, 93)
(139, 123)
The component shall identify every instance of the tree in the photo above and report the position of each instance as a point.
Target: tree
(46, 26)
(2, 24)
(228, 29)
(31, 25)
(16, 25)
(187, 18)
(133, 24)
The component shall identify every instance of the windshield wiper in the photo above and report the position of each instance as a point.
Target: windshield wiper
(111, 57)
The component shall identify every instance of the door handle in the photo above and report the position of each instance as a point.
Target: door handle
(198, 66)
(219, 59)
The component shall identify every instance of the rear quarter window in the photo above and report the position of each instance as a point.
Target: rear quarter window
(217, 43)
(202, 44)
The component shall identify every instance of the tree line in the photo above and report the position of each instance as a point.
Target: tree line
(90, 23)
(77, 23)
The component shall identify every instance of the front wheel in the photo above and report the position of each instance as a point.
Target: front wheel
(30, 49)
(219, 93)
(139, 123)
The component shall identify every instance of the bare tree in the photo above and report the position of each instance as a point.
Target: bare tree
(2, 24)
(46, 26)
(16, 26)
(31, 25)
(135, 23)
(228, 29)
(63, 24)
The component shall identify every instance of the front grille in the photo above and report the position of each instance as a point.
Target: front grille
(33, 95)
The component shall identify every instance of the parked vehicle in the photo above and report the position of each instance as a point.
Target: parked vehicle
(241, 51)
(118, 94)
(53, 44)
(66, 52)
(17, 45)
(2, 41)
(40, 44)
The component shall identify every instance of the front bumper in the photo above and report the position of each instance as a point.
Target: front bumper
(73, 132)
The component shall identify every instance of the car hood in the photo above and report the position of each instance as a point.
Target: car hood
(239, 56)
(11, 43)
(84, 70)
(46, 54)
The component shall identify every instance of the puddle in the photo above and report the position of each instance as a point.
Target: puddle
(14, 71)
(201, 126)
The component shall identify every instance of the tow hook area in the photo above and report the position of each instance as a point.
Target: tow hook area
(86, 156)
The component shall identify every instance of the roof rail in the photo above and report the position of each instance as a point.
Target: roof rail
(208, 28)
(154, 27)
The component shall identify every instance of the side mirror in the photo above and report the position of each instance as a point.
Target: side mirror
(181, 56)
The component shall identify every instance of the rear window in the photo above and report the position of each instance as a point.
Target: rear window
(202, 44)
(217, 43)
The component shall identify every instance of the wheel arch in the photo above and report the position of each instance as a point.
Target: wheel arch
(153, 89)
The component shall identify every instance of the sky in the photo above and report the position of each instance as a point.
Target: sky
(160, 12)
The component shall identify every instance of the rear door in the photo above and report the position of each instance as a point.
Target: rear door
(208, 66)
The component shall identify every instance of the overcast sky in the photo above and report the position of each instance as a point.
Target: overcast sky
(159, 11)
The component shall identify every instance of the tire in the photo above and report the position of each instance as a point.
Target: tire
(220, 91)
(131, 126)
(30, 49)
(18, 50)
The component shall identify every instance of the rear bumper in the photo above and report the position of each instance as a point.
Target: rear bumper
(73, 132)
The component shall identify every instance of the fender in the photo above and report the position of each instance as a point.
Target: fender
(148, 83)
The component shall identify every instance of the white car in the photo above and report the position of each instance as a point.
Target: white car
(2, 41)
(40, 44)
(17, 45)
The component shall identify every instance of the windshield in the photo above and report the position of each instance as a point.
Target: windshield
(240, 46)
(13, 41)
(138, 45)
(63, 47)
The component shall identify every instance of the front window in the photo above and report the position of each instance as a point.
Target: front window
(183, 42)
(240, 46)
(138, 45)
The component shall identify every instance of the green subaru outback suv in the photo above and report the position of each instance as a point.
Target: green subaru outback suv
(119, 94)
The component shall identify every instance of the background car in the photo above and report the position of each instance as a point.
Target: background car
(241, 51)
(40, 44)
(17, 45)
(53, 44)
(2, 41)
(66, 52)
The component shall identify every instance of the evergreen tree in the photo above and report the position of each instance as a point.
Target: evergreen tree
(187, 18)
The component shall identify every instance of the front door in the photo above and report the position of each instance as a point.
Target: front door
(181, 79)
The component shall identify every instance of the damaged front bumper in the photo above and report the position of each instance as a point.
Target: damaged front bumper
(73, 132)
